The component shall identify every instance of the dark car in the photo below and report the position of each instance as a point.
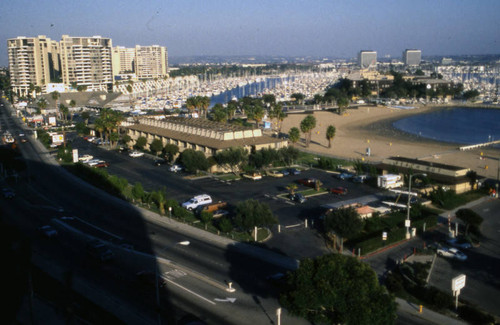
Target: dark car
(297, 197)
(338, 190)
(98, 250)
(159, 162)
(8, 193)
(311, 182)
(294, 171)
(285, 172)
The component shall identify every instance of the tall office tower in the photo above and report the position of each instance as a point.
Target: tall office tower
(32, 60)
(412, 57)
(151, 61)
(86, 61)
(123, 60)
(367, 59)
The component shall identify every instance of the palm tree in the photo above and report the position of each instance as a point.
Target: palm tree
(72, 103)
(192, 103)
(294, 135)
(330, 134)
(342, 103)
(204, 103)
(42, 103)
(38, 90)
(55, 96)
(64, 112)
(306, 126)
(291, 188)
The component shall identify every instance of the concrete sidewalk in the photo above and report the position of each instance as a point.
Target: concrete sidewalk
(429, 315)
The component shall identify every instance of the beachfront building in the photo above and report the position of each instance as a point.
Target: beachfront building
(32, 61)
(412, 57)
(453, 177)
(87, 61)
(202, 135)
(367, 59)
(378, 82)
(151, 61)
(123, 60)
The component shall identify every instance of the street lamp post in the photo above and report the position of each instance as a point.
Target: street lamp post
(407, 221)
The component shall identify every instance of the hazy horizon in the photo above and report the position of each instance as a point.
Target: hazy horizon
(323, 28)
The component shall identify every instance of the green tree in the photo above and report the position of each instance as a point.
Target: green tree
(252, 213)
(288, 155)
(471, 219)
(471, 94)
(156, 146)
(160, 198)
(206, 217)
(194, 161)
(55, 96)
(141, 143)
(85, 116)
(344, 222)
(231, 158)
(170, 150)
(192, 103)
(225, 225)
(72, 103)
(138, 192)
(306, 126)
(298, 97)
(126, 139)
(64, 112)
(342, 103)
(42, 103)
(204, 102)
(338, 289)
(294, 135)
(330, 134)
(219, 114)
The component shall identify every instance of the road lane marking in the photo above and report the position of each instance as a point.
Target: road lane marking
(191, 292)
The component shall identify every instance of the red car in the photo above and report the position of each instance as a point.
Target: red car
(311, 182)
(339, 190)
(101, 164)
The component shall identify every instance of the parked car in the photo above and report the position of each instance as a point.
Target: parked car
(48, 231)
(101, 164)
(274, 173)
(360, 178)
(85, 158)
(159, 162)
(211, 207)
(98, 250)
(285, 172)
(135, 154)
(196, 201)
(344, 176)
(459, 243)
(338, 190)
(451, 252)
(311, 182)
(297, 197)
(175, 168)
(294, 171)
(8, 193)
(255, 176)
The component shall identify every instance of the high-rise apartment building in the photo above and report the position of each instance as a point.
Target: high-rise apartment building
(151, 61)
(87, 61)
(123, 60)
(32, 60)
(367, 59)
(412, 57)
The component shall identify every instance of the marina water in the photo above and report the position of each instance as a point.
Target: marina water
(456, 125)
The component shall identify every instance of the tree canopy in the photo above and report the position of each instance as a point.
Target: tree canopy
(338, 289)
(294, 135)
(306, 126)
(344, 222)
(194, 160)
(470, 218)
(252, 213)
(330, 134)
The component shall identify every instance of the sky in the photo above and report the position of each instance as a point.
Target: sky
(329, 28)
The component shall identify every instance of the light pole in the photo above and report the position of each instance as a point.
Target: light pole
(407, 221)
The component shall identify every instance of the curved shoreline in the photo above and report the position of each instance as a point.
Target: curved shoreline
(371, 127)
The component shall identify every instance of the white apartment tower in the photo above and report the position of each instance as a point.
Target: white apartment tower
(123, 60)
(412, 57)
(87, 61)
(367, 59)
(151, 61)
(32, 60)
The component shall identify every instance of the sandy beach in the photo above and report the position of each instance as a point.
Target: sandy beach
(371, 127)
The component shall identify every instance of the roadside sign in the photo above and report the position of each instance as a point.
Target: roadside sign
(458, 282)
(407, 223)
(384, 235)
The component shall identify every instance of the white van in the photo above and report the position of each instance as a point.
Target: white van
(196, 201)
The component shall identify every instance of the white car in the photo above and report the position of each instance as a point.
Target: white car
(175, 168)
(92, 162)
(48, 231)
(196, 201)
(451, 252)
(85, 158)
(135, 154)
